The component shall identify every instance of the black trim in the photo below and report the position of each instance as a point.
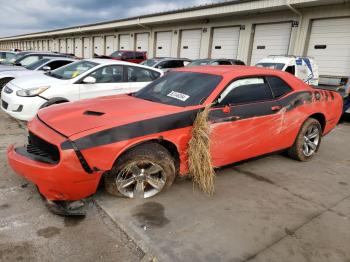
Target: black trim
(23, 151)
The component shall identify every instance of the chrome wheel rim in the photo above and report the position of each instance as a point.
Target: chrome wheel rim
(311, 140)
(141, 180)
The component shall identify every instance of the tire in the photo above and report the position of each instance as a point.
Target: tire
(141, 172)
(298, 151)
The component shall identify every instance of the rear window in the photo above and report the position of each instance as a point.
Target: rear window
(278, 66)
(180, 88)
(278, 86)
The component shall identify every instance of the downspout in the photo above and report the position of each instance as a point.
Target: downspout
(297, 12)
(293, 9)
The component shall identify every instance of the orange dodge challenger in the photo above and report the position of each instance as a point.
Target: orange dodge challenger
(253, 111)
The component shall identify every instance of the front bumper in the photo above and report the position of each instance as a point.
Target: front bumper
(22, 108)
(65, 180)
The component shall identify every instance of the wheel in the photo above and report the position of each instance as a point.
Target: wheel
(307, 142)
(142, 172)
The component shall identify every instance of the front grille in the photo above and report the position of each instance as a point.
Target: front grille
(45, 151)
(4, 104)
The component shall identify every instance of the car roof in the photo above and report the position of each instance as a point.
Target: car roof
(54, 58)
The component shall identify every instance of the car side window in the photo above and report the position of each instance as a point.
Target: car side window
(278, 86)
(139, 55)
(224, 63)
(128, 55)
(246, 90)
(56, 64)
(136, 74)
(108, 74)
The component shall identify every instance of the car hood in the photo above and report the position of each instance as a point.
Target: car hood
(102, 113)
(20, 73)
(36, 80)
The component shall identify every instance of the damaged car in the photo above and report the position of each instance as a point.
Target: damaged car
(138, 143)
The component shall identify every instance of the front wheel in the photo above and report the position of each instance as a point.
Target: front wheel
(307, 142)
(141, 172)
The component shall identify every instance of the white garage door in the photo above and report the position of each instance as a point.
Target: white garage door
(98, 45)
(87, 52)
(110, 44)
(225, 42)
(190, 43)
(45, 48)
(270, 39)
(63, 46)
(70, 46)
(163, 44)
(124, 42)
(78, 47)
(142, 42)
(330, 46)
(40, 45)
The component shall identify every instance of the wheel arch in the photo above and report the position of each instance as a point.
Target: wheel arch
(55, 100)
(321, 118)
(4, 80)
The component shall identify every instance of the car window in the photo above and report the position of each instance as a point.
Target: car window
(139, 55)
(128, 55)
(2, 55)
(291, 70)
(29, 60)
(278, 86)
(108, 74)
(246, 90)
(137, 74)
(37, 64)
(278, 66)
(224, 63)
(180, 88)
(72, 70)
(9, 56)
(57, 64)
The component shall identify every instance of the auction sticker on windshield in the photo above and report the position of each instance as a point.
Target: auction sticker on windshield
(178, 96)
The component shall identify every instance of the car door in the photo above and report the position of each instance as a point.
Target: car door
(109, 80)
(139, 77)
(246, 122)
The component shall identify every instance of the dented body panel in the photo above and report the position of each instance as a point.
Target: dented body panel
(90, 143)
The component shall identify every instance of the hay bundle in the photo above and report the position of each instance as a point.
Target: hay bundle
(199, 158)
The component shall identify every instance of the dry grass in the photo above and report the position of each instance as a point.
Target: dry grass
(199, 158)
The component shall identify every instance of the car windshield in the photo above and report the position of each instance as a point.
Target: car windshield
(180, 88)
(150, 62)
(13, 59)
(199, 62)
(278, 66)
(72, 70)
(117, 54)
(37, 64)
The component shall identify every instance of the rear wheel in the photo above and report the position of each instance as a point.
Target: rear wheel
(142, 172)
(307, 142)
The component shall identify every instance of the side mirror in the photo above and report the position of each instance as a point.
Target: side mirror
(89, 80)
(17, 64)
(46, 68)
(160, 67)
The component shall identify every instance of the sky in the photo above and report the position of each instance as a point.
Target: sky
(28, 16)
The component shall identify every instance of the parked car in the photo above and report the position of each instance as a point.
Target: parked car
(6, 55)
(213, 62)
(27, 58)
(129, 56)
(40, 66)
(24, 96)
(166, 63)
(304, 68)
(138, 142)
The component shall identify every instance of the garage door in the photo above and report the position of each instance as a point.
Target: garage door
(63, 46)
(190, 43)
(70, 46)
(98, 45)
(124, 42)
(270, 39)
(142, 42)
(330, 46)
(78, 47)
(110, 44)
(163, 44)
(87, 52)
(45, 48)
(40, 45)
(225, 42)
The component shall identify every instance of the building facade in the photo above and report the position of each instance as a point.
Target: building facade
(246, 29)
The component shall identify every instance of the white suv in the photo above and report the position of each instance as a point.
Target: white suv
(23, 97)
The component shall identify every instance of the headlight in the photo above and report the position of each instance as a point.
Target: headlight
(32, 92)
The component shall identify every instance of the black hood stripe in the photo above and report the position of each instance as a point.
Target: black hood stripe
(185, 119)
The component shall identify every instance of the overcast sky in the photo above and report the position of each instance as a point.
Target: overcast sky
(26, 16)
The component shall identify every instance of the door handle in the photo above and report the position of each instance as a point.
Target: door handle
(276, 108)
